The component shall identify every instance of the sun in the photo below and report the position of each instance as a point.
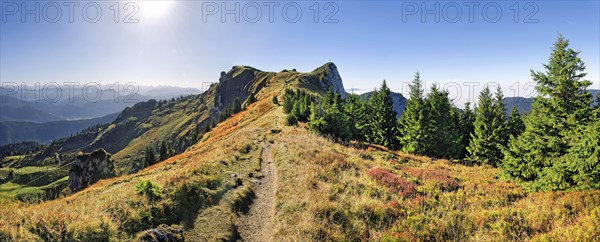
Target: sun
(150, 9)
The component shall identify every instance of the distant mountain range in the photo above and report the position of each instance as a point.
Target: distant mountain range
(397, 98)
(23, 118)
(523, 104)
(55, 106)
(14, 132)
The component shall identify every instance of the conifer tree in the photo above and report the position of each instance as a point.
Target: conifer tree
(484, 147)
(355, 110)
(288, 101)
(445, 140)
(413, 128)
(329, 118)
(499, 122)
(466, 127)
(536, 157)
(164, 151)
(515, 125)
(584, 156)
(149, 157)
(383, 118)
(236, 105)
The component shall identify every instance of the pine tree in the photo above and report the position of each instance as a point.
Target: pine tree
(275, 100)
(383, 118)
(515, 123)
(412, 132)
(444, 138)
(536, 157)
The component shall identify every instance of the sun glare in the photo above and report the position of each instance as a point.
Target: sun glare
(151, 9)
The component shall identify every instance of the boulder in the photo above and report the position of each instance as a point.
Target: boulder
(163, 233)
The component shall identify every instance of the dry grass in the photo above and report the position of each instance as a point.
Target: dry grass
(339, 193)
(326, 192)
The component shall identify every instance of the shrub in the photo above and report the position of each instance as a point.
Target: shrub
(291, 120)
(394, 182)
(275, 100)
(148, 188)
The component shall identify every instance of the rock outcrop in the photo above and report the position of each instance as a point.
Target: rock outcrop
(88, 168)
(330, 78)
(163, 233)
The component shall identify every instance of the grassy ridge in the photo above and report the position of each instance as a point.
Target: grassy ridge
(339, 193)
(325, 192)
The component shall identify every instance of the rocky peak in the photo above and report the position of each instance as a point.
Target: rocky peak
(330, 78)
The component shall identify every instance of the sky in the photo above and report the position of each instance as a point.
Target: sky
(460, 45)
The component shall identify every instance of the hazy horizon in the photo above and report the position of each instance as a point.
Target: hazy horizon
(187, 44)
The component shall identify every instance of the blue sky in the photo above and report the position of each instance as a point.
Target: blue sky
(371, 41)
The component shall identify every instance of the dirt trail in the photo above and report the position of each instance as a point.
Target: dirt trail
(257, 224)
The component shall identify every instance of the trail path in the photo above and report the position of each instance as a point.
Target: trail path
(257, 224)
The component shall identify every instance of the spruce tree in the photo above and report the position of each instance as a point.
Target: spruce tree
(486, 140)
(383, 118)
(288, 101)
(355, 110)
(236, 105)
(149, 157)
(329, 118)
(412, 126)
(536, 157)
(445, 140)
(466, 128)
(584, 156)
(515, 125)
(499, 122)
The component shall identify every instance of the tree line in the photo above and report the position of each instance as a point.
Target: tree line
(555, 147)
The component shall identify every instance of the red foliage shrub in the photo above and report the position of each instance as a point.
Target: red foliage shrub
(441, 177)
(394, 182)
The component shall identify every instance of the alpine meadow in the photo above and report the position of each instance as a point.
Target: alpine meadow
(437, 140)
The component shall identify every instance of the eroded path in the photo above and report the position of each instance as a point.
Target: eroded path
(257, 224)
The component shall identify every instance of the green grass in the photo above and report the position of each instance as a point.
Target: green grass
(33, 183)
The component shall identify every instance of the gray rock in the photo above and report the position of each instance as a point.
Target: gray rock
(163, 233)
(88, 168)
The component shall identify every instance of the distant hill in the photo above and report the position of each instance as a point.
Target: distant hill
(14, 132)
(523, 104)
(399, 101)
(16, 107)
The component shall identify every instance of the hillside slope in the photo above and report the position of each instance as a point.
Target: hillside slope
(320, 191)
(179, 123)
(14, 132)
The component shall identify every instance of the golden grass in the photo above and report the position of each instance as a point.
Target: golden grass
(324, 193)
(328, 195)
